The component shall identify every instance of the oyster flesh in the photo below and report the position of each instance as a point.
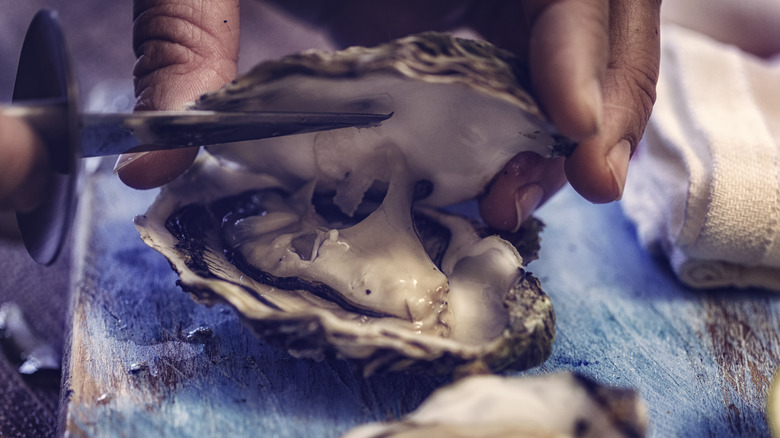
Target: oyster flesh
(333, 243)
(559, 405)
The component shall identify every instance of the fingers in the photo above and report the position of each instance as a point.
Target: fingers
(147, 170)
(184, 48)
(526, 182)
(23, 166)
(594, 65)
(567, 51)
(597, 169)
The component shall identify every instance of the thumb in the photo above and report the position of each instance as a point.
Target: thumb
(594, 65)
(598, 167)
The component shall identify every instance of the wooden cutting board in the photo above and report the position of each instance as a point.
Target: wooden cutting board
(145, 360)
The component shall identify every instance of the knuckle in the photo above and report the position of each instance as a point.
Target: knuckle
(181, 50)
(178, 34)
(642, 77)
(632, 88)
(165, 36)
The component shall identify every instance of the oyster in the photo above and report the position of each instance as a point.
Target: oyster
(333, 243)
(560, 405)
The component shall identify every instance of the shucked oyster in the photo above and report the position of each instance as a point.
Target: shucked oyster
(331, 243)
(560, 405)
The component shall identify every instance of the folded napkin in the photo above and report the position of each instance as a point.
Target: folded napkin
(704, 185)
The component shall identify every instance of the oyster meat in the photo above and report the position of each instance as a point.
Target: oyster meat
(558, 405)
(334, 243)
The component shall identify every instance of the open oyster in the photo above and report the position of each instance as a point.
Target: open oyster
(331, 243)
(559, 405)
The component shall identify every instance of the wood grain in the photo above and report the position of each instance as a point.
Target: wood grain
(146, 360)
(703, 360)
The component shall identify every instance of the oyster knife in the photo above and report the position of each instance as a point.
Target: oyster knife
(102, 134)
(45, 95)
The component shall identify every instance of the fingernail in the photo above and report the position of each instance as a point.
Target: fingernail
(527, 198)
(617, 160)
(126, 159)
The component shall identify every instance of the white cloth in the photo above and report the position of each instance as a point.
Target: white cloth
(704, 186)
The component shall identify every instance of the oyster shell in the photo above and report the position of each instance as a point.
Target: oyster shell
(460, 112)
(560, 405)
(312, 237)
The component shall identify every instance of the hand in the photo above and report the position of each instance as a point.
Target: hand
(23, 166)
(184, 49)
(594, 65)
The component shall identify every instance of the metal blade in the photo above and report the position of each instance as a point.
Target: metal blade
(45, 95)
(112, 134)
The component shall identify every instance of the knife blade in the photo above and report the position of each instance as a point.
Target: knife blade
(46, 96)
(103, 134)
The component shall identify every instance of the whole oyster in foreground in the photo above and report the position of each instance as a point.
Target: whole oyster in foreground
(561, 405)
(331, 243)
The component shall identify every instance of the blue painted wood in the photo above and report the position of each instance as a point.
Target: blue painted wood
(703, 360)
(145, 360)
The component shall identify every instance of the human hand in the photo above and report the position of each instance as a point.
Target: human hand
(23, 166)
(594, 66)
(593, 63)
(184, 49)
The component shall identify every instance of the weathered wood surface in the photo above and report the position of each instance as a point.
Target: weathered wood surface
(147, 361)
(703, 360)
